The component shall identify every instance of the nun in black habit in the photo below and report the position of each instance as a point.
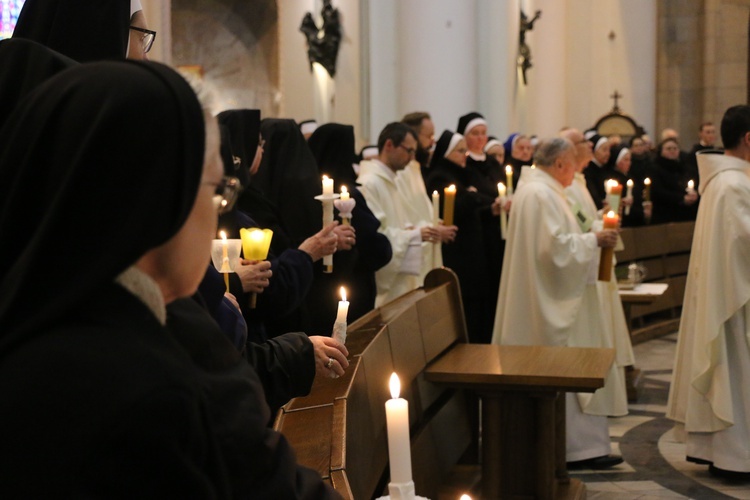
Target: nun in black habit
(465, 255)
(332, 145)
(96, 392)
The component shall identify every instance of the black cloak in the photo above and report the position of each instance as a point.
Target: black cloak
(243, 126)
(80, 29)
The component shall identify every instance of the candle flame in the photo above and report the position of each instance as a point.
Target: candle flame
(395, 386)
(647, 181)
(223, 235)
(630, 183)
(610, 215)
(342, 291)
(343, 189)
(508, 169)
(435, 193)
(325, 177)
(691, 184)
(256, 235)
(451, 188)
(465, 497)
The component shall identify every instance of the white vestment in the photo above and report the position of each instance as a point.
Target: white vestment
(708, 397)
(544, 298)
(410, 185)
(401, 274)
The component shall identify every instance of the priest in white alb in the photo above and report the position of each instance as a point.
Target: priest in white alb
(397, 144)
(544, 295)
(709, 398)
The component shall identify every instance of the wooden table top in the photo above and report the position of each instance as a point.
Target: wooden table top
(488, 367)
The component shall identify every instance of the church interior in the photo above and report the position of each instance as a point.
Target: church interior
(486, 424)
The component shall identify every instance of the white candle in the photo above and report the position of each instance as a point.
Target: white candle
(501, 190)
(225, 268)
(344, 194)
(509, 179)
(691, 187)
(503, 214)
(629, 195)
(327, 185)
(343, 307)
(399, 446)
(435, 208)
(646, 189)
(609, 185)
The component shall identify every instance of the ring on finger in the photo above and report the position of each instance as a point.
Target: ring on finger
(330, 363)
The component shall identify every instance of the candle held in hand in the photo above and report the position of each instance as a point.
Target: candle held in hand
(646, 189)
(449, 204)
(509, 179)
(344, 194)
(611, 221)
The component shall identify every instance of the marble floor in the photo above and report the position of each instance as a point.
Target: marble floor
(655, 465)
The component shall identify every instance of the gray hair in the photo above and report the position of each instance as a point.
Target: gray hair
(550, 150)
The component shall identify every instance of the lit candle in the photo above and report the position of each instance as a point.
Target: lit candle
(691, 187)
(344, 194)
(611, 221)
(435, 208)
(509, 179)
(646, 189)
(399, 447)
(465, 497)
(614, 193)
(449, 204)
(629, 195)
(255, 245)
(327, 185)
(503, 215)
(343, 307)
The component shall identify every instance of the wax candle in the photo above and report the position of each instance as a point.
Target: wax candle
(343, 307)
(449, 204)
(344, 194)
(609, 184)
(646, 189)
(224, 258)
(255, 245)
(503, 214)
(690, 187)
(614, 193)
(509, 179)
(611, 221)
(327, 185)
(399, 446)
(629, 195)
(465, 497)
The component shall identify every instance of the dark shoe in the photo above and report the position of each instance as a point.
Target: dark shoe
(729, 474)
(597, 463)
(698, 461)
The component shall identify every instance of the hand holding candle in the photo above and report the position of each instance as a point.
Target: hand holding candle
(611, 221)
(449, 204)
(339, 326)
(327, 200)
(690, 187)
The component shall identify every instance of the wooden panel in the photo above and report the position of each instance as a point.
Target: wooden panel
(451, 431)
(378, 367)
(676, 264)
(338, 435)
(652, 241)
(441, 322)
(425, 464)
(340, 482)
(406, 345)
(680, 236)
(630, 251)
(325, 390)
(654, 268)
(312, 445)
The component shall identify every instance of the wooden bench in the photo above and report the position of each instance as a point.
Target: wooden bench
(664, 249)
(339, 429)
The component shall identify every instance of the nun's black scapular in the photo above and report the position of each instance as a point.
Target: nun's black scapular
(332, 145)
(472, 272)
(243, 126)
(80, 29)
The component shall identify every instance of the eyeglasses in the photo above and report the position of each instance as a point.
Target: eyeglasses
(410, 151)
(226, 193)
(147, 40)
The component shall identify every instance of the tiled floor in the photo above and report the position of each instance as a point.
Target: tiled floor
(655, 465)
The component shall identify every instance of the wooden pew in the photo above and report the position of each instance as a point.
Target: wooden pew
(339, 429)
(664, 249)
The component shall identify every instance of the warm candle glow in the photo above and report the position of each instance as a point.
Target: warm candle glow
(342, 291)
(630, 183)
(508, 169)
(344, 193)
(691, 184)
(327, 185)
(223, 236)
(465, 497)
(395, 386)
(501, 189)
(647, 181)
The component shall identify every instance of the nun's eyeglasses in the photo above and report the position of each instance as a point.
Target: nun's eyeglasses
(226, 194)
(147, 40)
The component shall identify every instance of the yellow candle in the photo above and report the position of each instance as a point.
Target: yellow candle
(646, 189)
(343, 307)
(344, 193)
(501, 190)
(611, 221)
(399, 446)
(449, 204)
(509, 178)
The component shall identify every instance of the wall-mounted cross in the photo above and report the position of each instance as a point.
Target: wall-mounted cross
(616, 96)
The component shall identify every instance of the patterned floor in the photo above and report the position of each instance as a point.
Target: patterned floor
(655, 465)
